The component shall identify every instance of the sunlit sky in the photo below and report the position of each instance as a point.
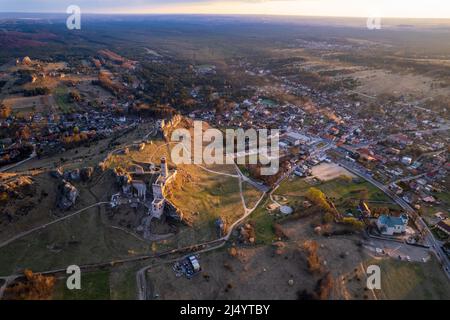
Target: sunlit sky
(345, 8)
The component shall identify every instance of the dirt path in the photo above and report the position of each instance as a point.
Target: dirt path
(7, 280)
(26, 233)
(140, 275)
(141, 279)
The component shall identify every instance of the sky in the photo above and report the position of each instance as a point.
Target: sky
(343, 8)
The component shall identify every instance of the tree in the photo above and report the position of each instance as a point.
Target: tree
(318, 198)
(294, 150)
(5, 111)
(74, 96)
(4, 197)
(346, 178)
(35, 287)
(24, 133)
(324, 287)
(313, 260)
(378, 211)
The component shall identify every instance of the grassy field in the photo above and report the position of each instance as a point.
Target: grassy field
(60, 94)
(116, 284)
(444, 198)
(201, 195)
(80, 240)
(344, 189)
(410, 281)
(339, 190)
(204, 198)
(123, 283)
(294, 191)
(94, 286)
(251, 195)
(263, 224)
(294, 186)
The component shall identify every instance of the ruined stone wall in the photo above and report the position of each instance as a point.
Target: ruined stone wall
(166, 189)
(177, 121)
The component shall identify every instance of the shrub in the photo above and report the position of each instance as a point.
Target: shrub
(354, 223)
(313, 260)
(35, 287)
(328, 217)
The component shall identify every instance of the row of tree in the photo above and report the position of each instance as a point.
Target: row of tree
(34, 287)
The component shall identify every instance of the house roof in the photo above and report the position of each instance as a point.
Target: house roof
(445, 225)
(296, 136)
(429, 199)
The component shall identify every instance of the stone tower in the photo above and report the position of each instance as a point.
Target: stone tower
(164, 168)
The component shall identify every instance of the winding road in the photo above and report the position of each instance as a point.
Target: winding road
(435, 246)
(141, 279)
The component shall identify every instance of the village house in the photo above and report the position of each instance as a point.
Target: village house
(389, 225)
(444, 226)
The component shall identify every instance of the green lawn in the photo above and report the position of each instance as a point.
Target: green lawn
(444, 197)
(123, 282)
(339, 190)
(251, 194)
(80, 240)
(60, 94)
(401, 280)
(263, 223)
(346, 189)
(296, 186)
(295, 189)
(94, 286)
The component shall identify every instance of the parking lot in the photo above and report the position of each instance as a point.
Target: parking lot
(400, 251)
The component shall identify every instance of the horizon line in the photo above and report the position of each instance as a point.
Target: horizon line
(224, 14)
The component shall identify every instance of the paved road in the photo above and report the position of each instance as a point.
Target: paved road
(32, 156)
(435, 246)
(140, 275)
(406, 179)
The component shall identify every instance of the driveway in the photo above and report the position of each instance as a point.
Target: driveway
(396, 249)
